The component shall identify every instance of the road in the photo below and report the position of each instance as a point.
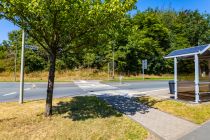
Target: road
(9, 91)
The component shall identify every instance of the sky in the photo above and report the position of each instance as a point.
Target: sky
(201, 5)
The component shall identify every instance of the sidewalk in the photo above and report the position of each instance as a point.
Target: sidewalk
(164, 125)
(201, 133)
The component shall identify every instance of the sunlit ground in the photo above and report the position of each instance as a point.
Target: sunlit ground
(80, 118)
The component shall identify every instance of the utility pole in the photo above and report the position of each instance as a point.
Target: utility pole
(22, 69)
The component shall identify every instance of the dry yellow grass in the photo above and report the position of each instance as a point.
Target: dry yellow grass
(149, 77)
(197, 113)
(85, 74)
(82, 74)
(81, 118)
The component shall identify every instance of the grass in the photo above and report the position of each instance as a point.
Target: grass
(82, 74)
(79, 118)
(60, 76)
(139, 78)
(197, 113)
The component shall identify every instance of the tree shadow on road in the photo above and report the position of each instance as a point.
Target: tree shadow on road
(85, 107)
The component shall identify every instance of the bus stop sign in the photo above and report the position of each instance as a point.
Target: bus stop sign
(144, 64)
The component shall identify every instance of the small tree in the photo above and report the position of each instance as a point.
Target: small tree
(61, 25)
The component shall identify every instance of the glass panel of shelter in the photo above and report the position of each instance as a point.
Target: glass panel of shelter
(204, 74)
(186, 77)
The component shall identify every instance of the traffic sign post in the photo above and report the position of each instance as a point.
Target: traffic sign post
(144, 66)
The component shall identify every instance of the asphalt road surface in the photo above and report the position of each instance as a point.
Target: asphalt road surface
(9, 91)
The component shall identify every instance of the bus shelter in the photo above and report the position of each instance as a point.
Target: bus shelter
(195, 87)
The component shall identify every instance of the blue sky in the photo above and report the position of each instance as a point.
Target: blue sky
(201, 5)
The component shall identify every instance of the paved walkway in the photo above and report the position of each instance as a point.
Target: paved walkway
(162, 124)
(201, 133)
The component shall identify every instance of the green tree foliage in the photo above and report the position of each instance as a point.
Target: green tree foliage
(33, 61)
(155, 33)
(61, 26)
(149, 40)
(147, 35)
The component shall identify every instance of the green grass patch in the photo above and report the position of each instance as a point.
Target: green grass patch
(139, 78)
(197, 113)
(79, 118)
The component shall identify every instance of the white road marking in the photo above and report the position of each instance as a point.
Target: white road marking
(9, 94)
(127, 93)
(82, 81)
(153, 90)
(33, 86)
(91, 85)
(26, 89)
(104, 89)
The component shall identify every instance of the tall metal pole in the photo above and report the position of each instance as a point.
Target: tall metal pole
(22, 70)
(113, 62)
(143, 71)
(175, 79)
(196, 79)
(15, 61)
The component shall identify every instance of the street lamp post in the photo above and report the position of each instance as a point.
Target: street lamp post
(15, 62)
(22, 69)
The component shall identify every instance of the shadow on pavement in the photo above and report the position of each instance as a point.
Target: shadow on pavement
(126, 105)
(148, 101)
(85, 107)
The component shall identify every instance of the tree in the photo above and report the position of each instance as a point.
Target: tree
(61, 25)
(149, 39)
(35, 59)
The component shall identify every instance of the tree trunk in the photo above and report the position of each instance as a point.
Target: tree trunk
(50, 86)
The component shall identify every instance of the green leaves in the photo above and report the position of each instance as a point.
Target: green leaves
(85, 32)
(61, 24)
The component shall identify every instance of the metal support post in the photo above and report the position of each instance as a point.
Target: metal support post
(175, 79)
(196, 79)
(15, 63)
